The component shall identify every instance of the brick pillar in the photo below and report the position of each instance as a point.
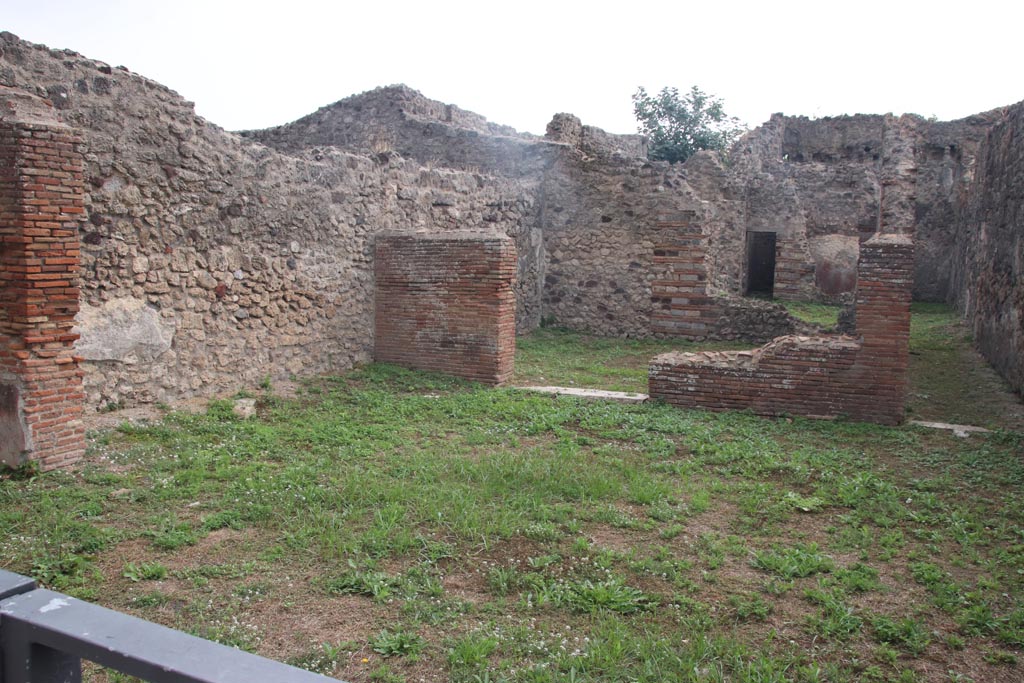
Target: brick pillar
(444, 302)
(885, 276)
(41, 205)
(679, 291)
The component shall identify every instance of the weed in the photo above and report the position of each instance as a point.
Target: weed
(144, 571)
(907, 633)
(796, 562)
(397, 643)
(858, 578)
(503, 580)
(750, 607)
(612, 595)
(835, 619)
(471, 650)
(377, 585)
(803, 503)
(324, 659)
(384, 674)
(426, 476)
(152, 599)
(172, 535)
(65, 572)
(671, 531)
(1001, 657)
(824, 315)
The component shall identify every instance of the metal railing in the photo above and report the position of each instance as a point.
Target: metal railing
(45, 635)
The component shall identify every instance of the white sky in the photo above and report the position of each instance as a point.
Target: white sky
(256, 64)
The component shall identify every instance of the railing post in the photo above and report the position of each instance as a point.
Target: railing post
(44, 635)
(27, 662)
(21, 662)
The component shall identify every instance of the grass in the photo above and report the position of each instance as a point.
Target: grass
(949, 381)
(558, 357)
(825, 315)
(390, 525)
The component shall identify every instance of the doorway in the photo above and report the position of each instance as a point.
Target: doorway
(760, 264)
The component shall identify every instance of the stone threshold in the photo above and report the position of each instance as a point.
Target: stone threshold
(594, 394)
(963, 431)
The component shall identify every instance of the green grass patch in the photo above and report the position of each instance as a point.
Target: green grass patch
(488, 534)
(825, 315)
(557, 357)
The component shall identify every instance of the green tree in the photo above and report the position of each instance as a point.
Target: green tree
(677, 125)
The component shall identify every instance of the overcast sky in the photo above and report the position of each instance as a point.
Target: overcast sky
(256, 64)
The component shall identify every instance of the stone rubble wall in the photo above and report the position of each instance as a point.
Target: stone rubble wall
(818, 183)
(398, 119)
(863, 378)
(754, 320)
(600, 218)
(988, 272)
(210, 262)
(946, 161)
(41, 207)
(444, 302)
(569, 130)
(813, 185)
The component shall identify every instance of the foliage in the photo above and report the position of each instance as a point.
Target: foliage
(677, 126)
(796, 562)
(144, 571)
(396, 643)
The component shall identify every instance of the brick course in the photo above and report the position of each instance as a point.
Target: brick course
(41, 206)
(444, 302)
(863, 377)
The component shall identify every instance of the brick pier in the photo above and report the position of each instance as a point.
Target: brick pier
(41, 206)
(444, 302)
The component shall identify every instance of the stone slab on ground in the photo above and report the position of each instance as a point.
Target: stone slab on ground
(596, 394)
(958, 430)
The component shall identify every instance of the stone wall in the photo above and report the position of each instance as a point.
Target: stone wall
(602, 225)
(444, 302)
(946, 162)
(41, 206)
(210, 262)
(399, 119)
(988, 261)
(818, 184)
(864, 378)
(812, 183)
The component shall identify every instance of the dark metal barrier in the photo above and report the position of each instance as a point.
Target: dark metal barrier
(44, 636)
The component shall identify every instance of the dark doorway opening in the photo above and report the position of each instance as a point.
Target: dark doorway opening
(760, 263)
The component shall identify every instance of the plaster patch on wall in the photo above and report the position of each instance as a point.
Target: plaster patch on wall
(835, 262)
(12, 429)
(124, 330)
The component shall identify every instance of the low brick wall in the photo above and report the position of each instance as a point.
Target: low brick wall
(41, 205)
(444, 302)
(863, 377)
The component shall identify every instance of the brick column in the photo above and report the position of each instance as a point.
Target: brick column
(444, 302)
(679, 291)
(877, 387)
(41, 205)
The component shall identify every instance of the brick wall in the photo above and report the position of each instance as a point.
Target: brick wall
(41, 205)
(444, 302)
(794, 274)
(862, 377)
(679, 292)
